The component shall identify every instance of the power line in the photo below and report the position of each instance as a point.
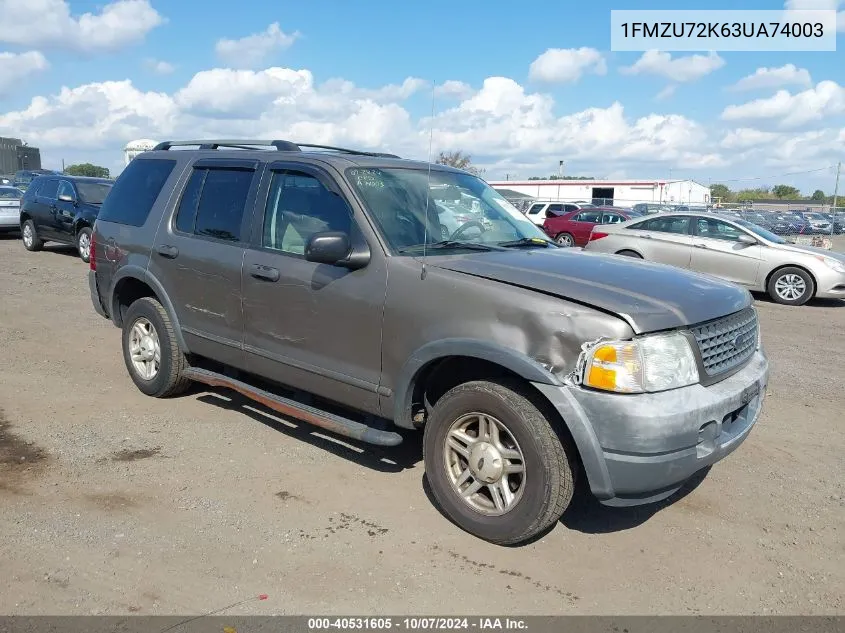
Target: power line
(791, 173)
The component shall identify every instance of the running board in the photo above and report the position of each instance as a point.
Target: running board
(285, 406)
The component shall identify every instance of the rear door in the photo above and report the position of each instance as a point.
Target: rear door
(664, 239)
(718, 251)
(43, 209)
(582, 224)
(198, 254)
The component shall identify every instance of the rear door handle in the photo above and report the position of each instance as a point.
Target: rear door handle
(165, 250)
(266, 273)
(646, 237)
(701, 245)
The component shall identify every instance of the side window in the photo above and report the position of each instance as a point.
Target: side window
(187, 211)
(717, 230)
(298, 206)
(679, 226)
(49, 189)
(612, 218)
(66, 189)
(556, 208)
(569, 207)
(534, 210)
(222, 201)
(588, 216)
(135, 191)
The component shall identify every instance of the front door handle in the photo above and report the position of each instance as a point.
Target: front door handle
(701, 245)
(165, 250)
(646, 237)
(266, 273)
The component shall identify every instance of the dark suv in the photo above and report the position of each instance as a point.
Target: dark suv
(318, 282)
(62, 209)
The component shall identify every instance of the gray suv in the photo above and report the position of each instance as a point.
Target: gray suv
(319, 282)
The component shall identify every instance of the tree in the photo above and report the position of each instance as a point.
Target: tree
(87, 169)
(818, 195)
(459, 160)
(786, 191)
(722, 192)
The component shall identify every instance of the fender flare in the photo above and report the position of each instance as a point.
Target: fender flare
(510, 359)
(143, 275)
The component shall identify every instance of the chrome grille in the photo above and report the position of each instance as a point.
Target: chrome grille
(726, 343)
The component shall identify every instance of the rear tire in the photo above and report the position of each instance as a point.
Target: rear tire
(83, 244)
(151, 352)
(508, 506)
(565, 239)
(627, 253)
(29, 237)
(791, 286)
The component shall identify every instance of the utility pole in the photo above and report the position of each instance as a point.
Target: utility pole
(835, 196)
(560, 170)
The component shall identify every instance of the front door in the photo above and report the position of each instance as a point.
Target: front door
(315, 327)
(718, 251)
(582, 225)
(65, 212)
(198, 255)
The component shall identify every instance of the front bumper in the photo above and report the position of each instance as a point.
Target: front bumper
(829, 284)
(642, 448)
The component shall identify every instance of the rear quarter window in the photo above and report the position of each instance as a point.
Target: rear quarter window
(135, 191)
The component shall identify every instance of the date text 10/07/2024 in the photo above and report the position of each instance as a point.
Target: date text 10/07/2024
(706, 30)
(418, 623)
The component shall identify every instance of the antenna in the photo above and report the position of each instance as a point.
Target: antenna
(428, 183)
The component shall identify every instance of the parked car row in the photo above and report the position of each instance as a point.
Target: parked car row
(730, 248)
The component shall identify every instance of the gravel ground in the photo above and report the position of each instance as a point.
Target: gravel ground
(116, 503)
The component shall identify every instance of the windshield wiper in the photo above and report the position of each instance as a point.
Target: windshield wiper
(474, 246)
(528, 241)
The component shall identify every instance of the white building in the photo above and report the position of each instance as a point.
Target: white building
(137, 147)
(610, 192)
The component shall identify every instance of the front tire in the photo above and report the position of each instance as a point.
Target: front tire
(150, 350)
(83, 244)
(29, 237)
(496, 466)
(791, 286)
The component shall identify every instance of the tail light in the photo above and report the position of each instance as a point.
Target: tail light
(597, 235)
(92, 254)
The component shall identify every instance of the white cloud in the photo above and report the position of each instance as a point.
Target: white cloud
(252, 50)
(563, 65)
(667, 92)
(827, 99)
(390, 92)
(15, 67)
(680, 69)
(744, 138)
(49, 24)
(159, 67)
(804, 5)
(453, 89)
(787, 75)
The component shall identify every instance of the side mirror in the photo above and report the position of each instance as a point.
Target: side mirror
(746, 239)
(335, 248)
(66, 198)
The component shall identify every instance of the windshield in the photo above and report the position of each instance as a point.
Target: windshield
(10, 193)
(93, 192)
(760, 231)
(461, 208)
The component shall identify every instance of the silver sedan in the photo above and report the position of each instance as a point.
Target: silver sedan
(729, 248)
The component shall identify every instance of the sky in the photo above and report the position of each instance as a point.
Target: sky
(518, 86)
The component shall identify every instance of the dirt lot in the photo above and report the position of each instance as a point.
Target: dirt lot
(116, 503)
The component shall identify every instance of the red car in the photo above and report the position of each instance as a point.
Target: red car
(573, 228)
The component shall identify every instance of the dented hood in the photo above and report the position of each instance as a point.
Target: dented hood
(648, 296)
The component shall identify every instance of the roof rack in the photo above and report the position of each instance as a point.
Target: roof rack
(282, 146)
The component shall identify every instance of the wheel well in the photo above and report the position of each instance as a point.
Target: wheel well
(127, 292)
(23, 218)
(779, 268)
(82, 224)
(627, 250)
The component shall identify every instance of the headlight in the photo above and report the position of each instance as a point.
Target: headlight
(650, 363)
(834, 264)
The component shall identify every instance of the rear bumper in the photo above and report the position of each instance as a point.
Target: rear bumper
(10, 222)
(95, 295)
(642, 448)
